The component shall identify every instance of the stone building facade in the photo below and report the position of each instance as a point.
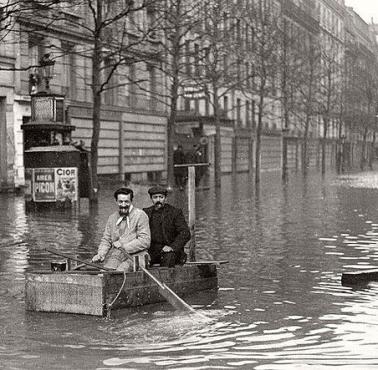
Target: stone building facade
(133, 137)
(133, 122)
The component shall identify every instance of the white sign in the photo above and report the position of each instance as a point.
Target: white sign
(194, 92)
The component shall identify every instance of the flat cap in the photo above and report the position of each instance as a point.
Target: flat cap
(157, 190)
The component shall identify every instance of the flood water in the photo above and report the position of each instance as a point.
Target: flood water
(280, 303)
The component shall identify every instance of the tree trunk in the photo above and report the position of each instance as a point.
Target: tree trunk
(258, 141)
(96, 112)
(171, 131)
(372, 152)
(94, 146)
(305, 161)
(285, 174)
(324, 143)
(363, 149)
(284, 88)
(217, 143)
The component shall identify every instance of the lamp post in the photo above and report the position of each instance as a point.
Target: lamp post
(46, 67)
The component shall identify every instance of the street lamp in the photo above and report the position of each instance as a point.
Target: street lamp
(46, 67)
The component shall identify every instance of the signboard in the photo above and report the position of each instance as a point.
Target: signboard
(54, 184)
(43, 108)
(66, 181)
(47, 108)
(193, 92)
(44, 185)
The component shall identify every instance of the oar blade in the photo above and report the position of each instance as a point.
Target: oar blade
(178, 303)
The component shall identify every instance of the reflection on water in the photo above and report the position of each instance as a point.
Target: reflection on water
(280, 304)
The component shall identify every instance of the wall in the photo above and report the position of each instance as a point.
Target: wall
(108, 146)
(129, 143)
(143, 143)
(271, 153)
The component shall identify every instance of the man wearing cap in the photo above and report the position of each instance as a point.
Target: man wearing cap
(126, 230)
(169, 230)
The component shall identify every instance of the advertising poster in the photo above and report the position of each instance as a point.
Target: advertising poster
(66, 183)
(44, 185)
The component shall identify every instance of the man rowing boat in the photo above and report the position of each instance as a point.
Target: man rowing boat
(126, 230)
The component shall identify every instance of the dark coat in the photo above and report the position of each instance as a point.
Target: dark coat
(179, 158)
(175, 229)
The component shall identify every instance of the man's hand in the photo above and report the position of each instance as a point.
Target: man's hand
(117, 244)
(97, 258)
(167, 248)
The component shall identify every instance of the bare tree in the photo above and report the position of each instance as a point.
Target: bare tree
(177, 21)
(262, 19)
(308, 75)
(330, 83)
(291, 61)
(218, 63)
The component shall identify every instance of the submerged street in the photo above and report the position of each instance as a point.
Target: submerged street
(280, 303)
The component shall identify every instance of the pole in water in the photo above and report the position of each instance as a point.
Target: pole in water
(192, 211)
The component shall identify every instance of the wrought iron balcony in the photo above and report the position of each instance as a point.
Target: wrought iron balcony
(303, 15)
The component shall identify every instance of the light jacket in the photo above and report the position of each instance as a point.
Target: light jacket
(135, 238)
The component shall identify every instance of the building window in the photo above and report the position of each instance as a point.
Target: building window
(225, 64)
(196, 105)
(69, 71)
(151, 22)
(36, 49)
(152, 92)
(225, 105)
(111, 91)
(187, 104)
(238, 112)
(132, 85)
(247, 113)
(196, 60)
(187, 57)
(207, 106)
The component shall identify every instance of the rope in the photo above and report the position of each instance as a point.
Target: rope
(109, 306)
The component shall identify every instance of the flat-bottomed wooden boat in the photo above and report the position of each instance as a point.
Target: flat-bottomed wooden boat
(91, 292)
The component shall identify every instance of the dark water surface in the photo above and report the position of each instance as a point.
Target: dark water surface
(280, 304)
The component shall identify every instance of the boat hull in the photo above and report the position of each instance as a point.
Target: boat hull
(359, 277)
(91, 292)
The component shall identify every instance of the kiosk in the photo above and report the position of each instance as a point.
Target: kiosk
(56, 170)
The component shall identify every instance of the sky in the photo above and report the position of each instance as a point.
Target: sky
(366, 9)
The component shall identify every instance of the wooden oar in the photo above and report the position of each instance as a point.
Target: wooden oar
(79, 266)
(164, 290)
(78, 260)
(222, 262)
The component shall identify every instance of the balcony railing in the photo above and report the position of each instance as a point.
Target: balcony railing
(305, 15)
